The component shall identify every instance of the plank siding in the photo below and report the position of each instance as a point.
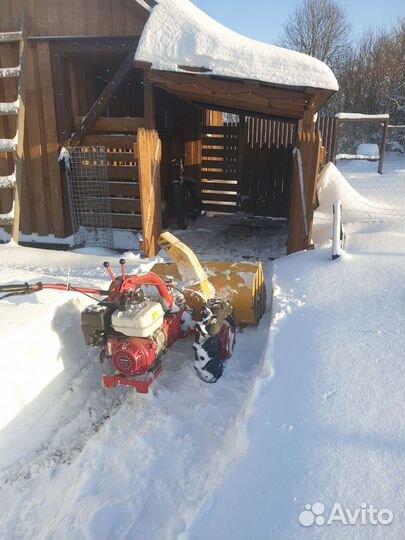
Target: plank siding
(74, 18)
(51, 103)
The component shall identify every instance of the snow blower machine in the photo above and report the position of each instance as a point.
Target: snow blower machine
(140, 316)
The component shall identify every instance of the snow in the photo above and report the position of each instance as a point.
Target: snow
(144, 5)
(177, 33)
(10, 72)
(8, 145)
(328, 425)
(122, 238)
(106, 464)
(7, 218)
(368, 149)
(309, 409)
(10, 108)
(369, 206)
(369, 157)
(10, 36)
(7, 181)
(360, 116)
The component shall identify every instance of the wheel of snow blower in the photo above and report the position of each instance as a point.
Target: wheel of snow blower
(208, 364)
(211, 351)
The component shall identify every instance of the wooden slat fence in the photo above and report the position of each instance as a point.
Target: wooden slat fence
(219, 168)
(327, 125)
(247, 166)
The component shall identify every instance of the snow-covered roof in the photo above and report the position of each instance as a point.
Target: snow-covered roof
(177, 33)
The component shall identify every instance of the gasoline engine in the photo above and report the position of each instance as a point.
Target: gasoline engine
(134, 330)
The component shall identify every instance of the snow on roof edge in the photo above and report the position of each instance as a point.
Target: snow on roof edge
(361, 116)
(143, 4)
(177, 33)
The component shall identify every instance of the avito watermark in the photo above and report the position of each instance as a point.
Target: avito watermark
(366, 514)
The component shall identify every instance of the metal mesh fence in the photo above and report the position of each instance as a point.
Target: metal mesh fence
(351, 135)
(366, 195)
(90, 203)
(396, 139)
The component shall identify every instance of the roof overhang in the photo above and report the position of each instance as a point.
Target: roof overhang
(240, 94)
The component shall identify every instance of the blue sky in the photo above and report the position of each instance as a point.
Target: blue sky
(263, 19)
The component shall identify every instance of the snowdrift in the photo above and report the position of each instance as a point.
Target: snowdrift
(333, 186)
(177, 33)
(35, 354)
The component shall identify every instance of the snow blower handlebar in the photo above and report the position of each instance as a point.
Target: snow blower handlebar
(119, 287)
(25, 288)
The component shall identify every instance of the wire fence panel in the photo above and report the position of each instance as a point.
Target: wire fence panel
(396, 139)
(366, 195)
(89, 196)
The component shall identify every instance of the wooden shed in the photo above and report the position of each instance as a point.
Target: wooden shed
(91, 76)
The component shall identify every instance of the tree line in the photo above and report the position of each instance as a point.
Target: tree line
(370, 71)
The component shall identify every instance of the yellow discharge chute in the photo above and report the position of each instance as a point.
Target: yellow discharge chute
(240, 283)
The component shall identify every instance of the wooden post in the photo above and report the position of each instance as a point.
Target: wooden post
(308, 124)
(302, 204)
(382, 147)
(148, 101)
(335, 138)
(148, 150)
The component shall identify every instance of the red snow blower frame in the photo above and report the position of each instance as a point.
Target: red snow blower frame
(133, 330)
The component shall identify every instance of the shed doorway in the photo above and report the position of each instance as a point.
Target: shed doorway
(245, 176)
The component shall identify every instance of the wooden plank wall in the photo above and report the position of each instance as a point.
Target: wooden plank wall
(74, 17)
(266, 179)
(45, 208)
(42, 192)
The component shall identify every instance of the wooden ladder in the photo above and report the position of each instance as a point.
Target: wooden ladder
(14, 145)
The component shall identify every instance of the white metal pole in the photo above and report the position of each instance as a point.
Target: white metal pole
(338, 232)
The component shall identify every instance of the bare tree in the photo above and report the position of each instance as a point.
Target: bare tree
(319, 28)
(373, 78)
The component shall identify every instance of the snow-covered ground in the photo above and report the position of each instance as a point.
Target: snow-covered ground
(310, 408)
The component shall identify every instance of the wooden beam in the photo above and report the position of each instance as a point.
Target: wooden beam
(91, 44)
(103, 100)
(148, 101)
(105, 125)
(224, 85)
